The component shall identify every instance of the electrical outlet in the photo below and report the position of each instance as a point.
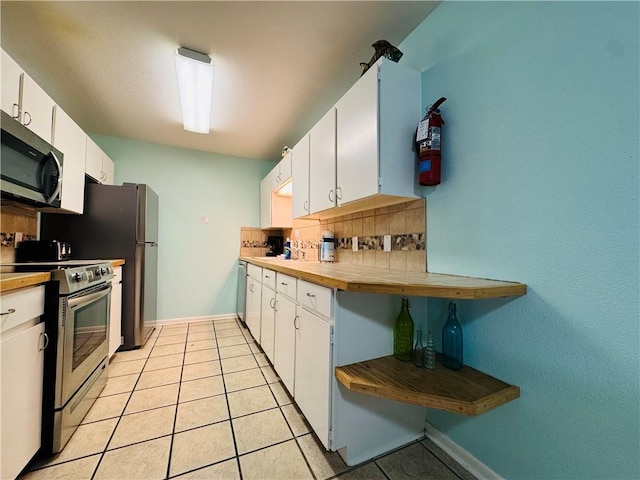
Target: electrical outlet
(387, 243)
(354, 244)
(204, 218)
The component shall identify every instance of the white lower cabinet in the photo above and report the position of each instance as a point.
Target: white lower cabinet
(313, 372)
(115, 315)
(22, 359)
(267, 320)
(284, 349)
(307, 330)
(252, 316)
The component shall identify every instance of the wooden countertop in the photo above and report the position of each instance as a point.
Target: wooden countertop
(356, 278)
(13, 281)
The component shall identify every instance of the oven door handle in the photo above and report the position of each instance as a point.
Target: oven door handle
(89, 298)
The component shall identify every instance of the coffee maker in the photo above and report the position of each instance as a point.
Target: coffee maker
(275, 244)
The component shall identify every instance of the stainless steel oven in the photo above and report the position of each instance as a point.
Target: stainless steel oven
(77, 322)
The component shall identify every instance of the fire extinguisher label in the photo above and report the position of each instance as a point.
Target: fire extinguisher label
(423, 130)
(434, 138)
(425, 166)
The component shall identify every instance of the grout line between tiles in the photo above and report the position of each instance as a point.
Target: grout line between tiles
(175, 417)
(106, 446)
(233, 432)
(441, 460)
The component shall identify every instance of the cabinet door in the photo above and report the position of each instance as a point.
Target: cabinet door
(93, 164)
(285, 167)
(11, 79)
(22, 363)
(285, 341)
(300, 174)
(357, 140)
(37, 109)
(267, 327)
(115, 316)
(322, 163)
(265, 202)
(69, 138)
(108, 170)
(254, 297)
(281, 172)
(313, 371)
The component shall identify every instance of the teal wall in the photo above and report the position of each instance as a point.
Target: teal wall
(196, 261)
(541, 185)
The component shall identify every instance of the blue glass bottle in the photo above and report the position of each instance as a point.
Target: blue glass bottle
(452, 340)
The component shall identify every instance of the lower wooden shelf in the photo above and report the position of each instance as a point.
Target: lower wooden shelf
(466, 391)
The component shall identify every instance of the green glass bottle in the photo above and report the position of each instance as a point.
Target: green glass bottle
(403, 334)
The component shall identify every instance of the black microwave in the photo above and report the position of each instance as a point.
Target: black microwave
(31, 168)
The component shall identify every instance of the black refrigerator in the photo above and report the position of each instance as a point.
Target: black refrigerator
(118, 222)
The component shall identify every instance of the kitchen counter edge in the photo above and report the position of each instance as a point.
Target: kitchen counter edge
(356, 278)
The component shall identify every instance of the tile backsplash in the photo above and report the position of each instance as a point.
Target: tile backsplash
(15, 220)
(405, 222)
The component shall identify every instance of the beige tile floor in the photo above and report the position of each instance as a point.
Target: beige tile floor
(201, 401)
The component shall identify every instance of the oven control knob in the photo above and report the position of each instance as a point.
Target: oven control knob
(78, 277)
(104, 270)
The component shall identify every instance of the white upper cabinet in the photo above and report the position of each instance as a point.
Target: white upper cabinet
(275, 210)
(24, 100)
(11, 82)
(265, 202)
(93, 166)
(37, 109)
(69, 138)
(108, 170)
(376, 122)
(98, 165)
(300, 178)
(322, 163)
(281, 173)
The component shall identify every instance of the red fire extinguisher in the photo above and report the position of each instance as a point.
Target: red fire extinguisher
(428, 138)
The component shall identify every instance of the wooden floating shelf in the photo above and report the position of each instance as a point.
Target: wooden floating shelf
(466, 391)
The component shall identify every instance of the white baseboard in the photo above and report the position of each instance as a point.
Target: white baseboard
(460, 455)
(205, 318)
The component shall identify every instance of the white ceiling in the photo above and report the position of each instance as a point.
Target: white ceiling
(279, 66)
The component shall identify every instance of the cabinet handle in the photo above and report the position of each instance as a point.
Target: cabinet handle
(310, 295)
(339, 196)
(295, 323)
(45, 343)
(330, 193)
(275, 305)
(16, 111)
(9, 312)
(306, 205)
(267, 276)
(24, 116)
(271, 301)
(251, 287)
(284, 283)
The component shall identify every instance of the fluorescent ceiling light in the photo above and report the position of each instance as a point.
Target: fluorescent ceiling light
(195, 83)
